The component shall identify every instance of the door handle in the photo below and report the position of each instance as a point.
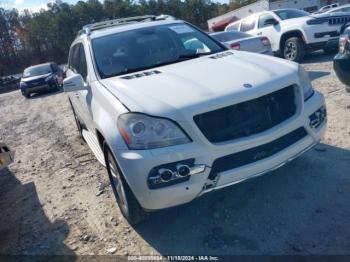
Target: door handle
(76, 95)
(260, 33)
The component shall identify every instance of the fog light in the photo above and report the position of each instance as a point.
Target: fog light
(165, 174)
(173, 173)
(183, 170)
(318, 117)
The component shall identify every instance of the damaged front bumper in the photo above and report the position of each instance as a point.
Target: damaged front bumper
(237, 161)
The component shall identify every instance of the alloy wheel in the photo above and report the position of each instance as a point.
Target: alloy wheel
(117, 182)
(290, 51)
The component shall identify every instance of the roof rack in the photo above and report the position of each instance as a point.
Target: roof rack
(87, 29)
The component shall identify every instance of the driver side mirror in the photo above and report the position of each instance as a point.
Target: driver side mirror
(73, 83)
(271, 21)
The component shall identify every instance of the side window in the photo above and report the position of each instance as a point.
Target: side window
(77, 60)
(82, 62)
(233, 27)
(74, 59)
(263, 19)
(247, 25)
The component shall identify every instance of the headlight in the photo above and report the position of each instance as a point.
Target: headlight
(23, 84)
(140, 131)
(48, 78)
(305, 82)
(316, 21)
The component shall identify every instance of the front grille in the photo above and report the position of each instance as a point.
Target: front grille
(340, 20)
(329, 33)
(247, 118)
(36, 82)
(255, 154)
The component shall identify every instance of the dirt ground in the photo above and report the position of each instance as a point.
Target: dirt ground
(56, 199)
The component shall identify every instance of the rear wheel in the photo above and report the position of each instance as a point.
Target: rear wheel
(294, 49)
(126, 200)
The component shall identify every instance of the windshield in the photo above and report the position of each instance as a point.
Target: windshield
(339, 9)
(229, 36)
(149, 47)
(37, 71)
(289, 14)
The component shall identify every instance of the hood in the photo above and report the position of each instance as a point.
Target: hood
(28, 79)
(302, 19)
(330, 15)
(297, 20)
(185, 89)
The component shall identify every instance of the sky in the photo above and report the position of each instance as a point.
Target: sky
(36, 5)
(32, 5)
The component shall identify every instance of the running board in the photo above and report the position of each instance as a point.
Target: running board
(94, 146)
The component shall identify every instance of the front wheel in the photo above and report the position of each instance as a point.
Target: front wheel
(128, 204)
(26, 94)
(294, 49)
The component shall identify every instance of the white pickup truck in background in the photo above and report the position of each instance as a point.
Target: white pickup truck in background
(293, 32)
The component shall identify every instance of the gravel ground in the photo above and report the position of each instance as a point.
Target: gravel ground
(55, 199)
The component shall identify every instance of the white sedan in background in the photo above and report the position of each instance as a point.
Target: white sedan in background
(243, 41)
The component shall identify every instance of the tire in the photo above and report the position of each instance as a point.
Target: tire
(77, 122)
(127, 202)
(294, 49)
(26, 94)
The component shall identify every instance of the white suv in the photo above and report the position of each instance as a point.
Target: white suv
(294, 32)
(173, 114)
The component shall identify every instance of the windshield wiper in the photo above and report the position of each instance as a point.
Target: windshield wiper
(193, 55)
(179, 59)
(137, 69)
